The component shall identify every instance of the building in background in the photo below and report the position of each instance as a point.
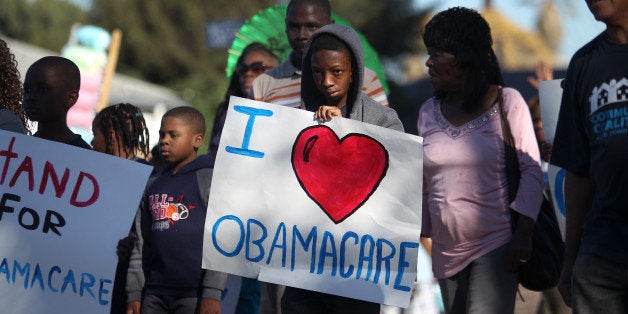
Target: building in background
(87, 48)
(153, 100)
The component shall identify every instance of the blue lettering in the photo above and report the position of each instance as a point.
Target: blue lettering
(598, 128)
(343, 249)
(4, 268)
(252, 113)
(257, 242)
(55, 269)
(366, 256)
(311, 238)
(102, 291)
(327, 237)
(598, 117)
(375, 260)
(37, 276)
(69, 279)
(238, 246)
(87, 281)
(559, 182)
(383, 259)
(281, 229)
(26, 272)
(618, 112)
(403, 264)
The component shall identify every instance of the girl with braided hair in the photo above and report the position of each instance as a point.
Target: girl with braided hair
(12, 117)
(120, 130)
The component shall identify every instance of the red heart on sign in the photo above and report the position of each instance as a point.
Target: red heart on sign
(338, 174)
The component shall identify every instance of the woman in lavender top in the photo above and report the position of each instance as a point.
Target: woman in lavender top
(466, 212)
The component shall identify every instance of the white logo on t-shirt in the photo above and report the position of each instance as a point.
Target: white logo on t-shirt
(613, 92)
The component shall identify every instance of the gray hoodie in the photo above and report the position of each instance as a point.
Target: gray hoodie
(359, 105)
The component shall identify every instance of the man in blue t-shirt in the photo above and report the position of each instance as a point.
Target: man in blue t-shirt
(591, 144)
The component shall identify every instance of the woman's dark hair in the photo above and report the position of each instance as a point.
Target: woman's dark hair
(464, 33)
(234, 88)
(11, 92)
(128, 123)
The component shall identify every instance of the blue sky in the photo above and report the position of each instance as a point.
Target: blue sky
(579, 26)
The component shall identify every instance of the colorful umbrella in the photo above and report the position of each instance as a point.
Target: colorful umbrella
(268, 27)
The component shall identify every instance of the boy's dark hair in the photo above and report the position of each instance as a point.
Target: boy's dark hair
(71, 73)
(190, 115)
(329, 42)
(11, 92)
(322, 4)
(128, 122)
(464, 33)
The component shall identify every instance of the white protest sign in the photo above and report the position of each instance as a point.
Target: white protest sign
(62, 211)
(556, 178)
(333, 207)
(550, 95)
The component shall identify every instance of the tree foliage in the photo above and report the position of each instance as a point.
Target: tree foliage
(43, 23)
(164, 41)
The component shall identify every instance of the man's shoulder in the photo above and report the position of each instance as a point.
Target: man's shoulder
(281, 85)
(585, 52)
(277, 76)
(283, 70)
(373, 87)
(588, 47)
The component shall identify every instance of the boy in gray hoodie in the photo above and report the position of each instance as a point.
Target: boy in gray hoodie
(333, 71)
(323, 79)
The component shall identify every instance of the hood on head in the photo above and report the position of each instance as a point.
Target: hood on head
(312, 98)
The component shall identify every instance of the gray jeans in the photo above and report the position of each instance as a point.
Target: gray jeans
(484, 286)
(156, 304)
(599, 285)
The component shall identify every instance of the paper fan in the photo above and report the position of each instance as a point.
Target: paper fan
(269, 28)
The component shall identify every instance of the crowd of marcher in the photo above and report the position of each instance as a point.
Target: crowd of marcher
(467, 226)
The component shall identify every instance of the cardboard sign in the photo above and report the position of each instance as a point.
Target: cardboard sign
(62, 211)
(550, 95)
(332, 207)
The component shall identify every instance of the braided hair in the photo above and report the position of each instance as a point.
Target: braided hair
(465, 33)
(11, 92)
(128, 125)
